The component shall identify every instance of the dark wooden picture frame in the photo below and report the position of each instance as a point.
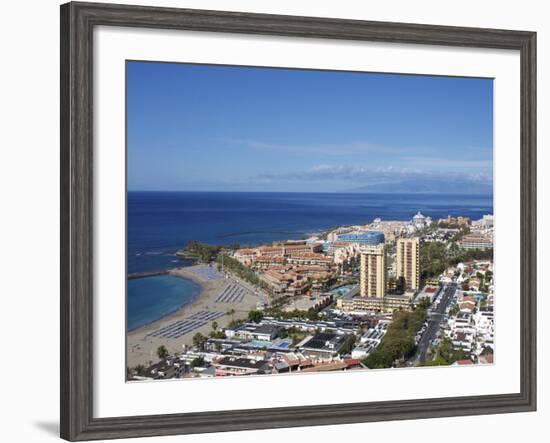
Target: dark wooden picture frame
(77, 23)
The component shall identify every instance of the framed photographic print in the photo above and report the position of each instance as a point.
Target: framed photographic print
(273, 221)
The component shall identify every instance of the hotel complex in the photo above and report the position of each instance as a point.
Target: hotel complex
(384, 254)
(374, 295)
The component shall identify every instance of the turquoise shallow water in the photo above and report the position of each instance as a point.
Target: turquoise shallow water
(152, 298)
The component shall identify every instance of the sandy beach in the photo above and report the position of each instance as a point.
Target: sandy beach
(142, 349)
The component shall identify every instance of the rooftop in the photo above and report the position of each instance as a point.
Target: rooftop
(325, 341)
(265, 329)
(241, 363)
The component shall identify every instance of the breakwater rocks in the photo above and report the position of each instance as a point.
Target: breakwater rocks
(135, 275)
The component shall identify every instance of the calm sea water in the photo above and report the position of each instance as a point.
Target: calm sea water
(159, 223)
(151, 298)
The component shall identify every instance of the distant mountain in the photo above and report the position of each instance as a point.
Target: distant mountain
(428, 186)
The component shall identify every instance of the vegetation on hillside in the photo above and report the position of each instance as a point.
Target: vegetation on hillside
(435, 257)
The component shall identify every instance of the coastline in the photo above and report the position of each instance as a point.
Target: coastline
(179, 273)
(174, 311)
(141, 349)
(251, 218)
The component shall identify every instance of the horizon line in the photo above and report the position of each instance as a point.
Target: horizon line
(310, 192)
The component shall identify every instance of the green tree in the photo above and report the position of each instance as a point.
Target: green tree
(424, 303)
(398, 343)
(197, 361)
(445, 351)
(200, 251)
(199, 340)
(454, 310)
(231, 312)
(348, 346)
(437, 256)
(379, 359)
(234, 323)
(217, 334)
(312, 315)
(283, 333)
(162, 352)
(240, 270)
(255, 316)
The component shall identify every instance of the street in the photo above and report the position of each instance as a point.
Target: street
(434, 322)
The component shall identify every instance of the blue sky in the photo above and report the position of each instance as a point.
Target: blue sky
(214, 128)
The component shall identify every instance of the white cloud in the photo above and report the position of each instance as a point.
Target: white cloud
(386, 177)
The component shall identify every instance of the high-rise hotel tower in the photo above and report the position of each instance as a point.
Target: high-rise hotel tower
(408, 262)
(373, 271)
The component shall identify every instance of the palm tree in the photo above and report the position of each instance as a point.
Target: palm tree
(231, 312)
(199, 340)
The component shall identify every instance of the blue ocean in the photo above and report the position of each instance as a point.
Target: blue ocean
(151, 298)
(159, 223)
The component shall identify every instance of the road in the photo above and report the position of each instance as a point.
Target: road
(434, 323)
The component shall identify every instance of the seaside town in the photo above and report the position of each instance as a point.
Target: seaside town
(387, 294)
